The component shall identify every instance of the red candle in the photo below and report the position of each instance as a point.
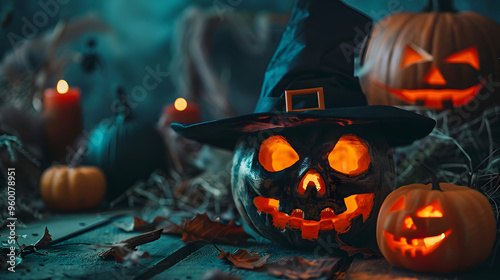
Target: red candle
(63, 114)
(180, 112)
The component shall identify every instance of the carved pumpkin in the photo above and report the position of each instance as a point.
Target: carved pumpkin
(310, 183)
(438, 228)
(312, 161)
(439, 58)
(70, 189)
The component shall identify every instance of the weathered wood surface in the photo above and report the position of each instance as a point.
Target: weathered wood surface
(72, 257)
(381, 269)
(66, 225)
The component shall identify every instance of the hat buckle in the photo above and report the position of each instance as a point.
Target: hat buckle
(289, 94)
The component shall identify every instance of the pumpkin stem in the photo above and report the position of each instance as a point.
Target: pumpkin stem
(434, 179)
(122, 96)
(440, 6)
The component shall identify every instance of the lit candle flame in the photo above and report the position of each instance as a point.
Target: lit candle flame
(180, 104)
(62, 87)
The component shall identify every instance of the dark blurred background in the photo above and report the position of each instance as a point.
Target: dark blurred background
(208, 47)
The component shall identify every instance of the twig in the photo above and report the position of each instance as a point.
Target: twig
(133, 242)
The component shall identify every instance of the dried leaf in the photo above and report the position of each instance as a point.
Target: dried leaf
(123, 253)
(201, 228)
(140, 225)
(351, 251)
(42, 243)
(299, 268)
(45, 241)
(244, 259)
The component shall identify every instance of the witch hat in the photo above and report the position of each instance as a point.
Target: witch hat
(310, 81)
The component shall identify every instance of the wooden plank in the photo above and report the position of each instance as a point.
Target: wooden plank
(74, 258)
(361, 269)
(61, 226)
(205, 259)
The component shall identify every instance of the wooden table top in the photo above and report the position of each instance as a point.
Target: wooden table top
(72, 258)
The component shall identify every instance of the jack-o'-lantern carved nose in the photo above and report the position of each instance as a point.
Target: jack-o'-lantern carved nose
(312, 179)
(435, 77)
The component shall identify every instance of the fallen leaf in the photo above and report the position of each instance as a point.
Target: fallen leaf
(140, 225)
(124, 254)
(201, 228)
(42, 243)
(351, 251)
(244, 259)
(299, 268)
(45, 241)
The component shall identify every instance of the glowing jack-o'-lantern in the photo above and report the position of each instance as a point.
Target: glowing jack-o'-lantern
(312, 161)
(439, 228)
(438, 58)
(309, 184)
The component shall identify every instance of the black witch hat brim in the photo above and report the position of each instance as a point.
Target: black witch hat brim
(397, 126)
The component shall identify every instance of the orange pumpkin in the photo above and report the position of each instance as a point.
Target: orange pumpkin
(439, 58)
(438, 228)
(70, 189)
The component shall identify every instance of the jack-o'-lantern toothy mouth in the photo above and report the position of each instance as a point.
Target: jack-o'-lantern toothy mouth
(356, 205)
(416, 246)
(434, 98)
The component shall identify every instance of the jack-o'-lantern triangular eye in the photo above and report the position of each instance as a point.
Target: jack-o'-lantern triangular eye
(398, 205)
(414, 54)
(467, 56)
(276, 154)
(433, 210)
(350, 155)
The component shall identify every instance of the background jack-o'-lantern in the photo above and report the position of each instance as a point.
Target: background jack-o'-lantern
(439, 228)
(439, 58)
(308, 183)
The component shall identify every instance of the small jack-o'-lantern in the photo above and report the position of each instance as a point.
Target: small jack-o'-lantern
(439, 58)
(439, 228)
(313, 160)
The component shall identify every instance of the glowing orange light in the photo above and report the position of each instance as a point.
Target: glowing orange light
(180, 104)
(276, 154)
(399, 205)
(312, 177)
(356, 205)
(430, 241)
(408, 223)
(432, 210)
(266, 204)
(468, 56)
(62, 87)
(414, 54)
(435, 77)
(424, 246)
(349, 156)
(434, 97)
